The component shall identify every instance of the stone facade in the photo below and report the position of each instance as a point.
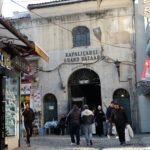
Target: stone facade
(52, 26)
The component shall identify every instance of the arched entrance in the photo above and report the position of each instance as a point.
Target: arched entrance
(122, 97)
(84, 87)
(50, 108)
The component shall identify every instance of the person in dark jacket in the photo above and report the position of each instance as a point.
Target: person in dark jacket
(29, 117)
(109, 111)
(73, 121)
(99, 119)
(87, 118)
(62, 124)
(119, 117)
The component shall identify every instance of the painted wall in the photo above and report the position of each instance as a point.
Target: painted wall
(54, 35)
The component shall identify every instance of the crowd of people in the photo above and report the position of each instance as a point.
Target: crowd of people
(87, 122)
(83, 120)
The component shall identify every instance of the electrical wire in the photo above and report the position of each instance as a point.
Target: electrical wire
(64, 27)
(105, 58)
(42, 17)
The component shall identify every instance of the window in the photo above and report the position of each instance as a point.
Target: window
(81, 36)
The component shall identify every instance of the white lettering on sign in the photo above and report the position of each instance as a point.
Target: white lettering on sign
(81, 56)
(147, 11)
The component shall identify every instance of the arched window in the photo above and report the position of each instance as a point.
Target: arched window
(81, 36)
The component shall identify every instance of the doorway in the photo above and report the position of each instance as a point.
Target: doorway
(84, 88)
(122, 97)
(50, 108)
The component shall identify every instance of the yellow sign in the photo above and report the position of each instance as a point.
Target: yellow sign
(41, 53)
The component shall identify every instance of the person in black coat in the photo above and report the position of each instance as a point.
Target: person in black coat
(99, 119)
(62, 124)
(119, 117)
(109, 111)
(73, 121)
(29, 117)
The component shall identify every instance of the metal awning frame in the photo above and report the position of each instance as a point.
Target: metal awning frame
(28, 47)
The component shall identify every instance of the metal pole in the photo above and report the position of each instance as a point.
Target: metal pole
(19, 111)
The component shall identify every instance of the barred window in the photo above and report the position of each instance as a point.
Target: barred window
(81, 36)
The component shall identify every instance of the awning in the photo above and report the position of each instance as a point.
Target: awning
(10, 36)
(143, 87)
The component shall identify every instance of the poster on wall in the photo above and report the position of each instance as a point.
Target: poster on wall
(36, 100)
(25, 88)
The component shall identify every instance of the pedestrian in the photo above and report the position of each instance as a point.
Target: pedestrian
(73, 121)
(119, 117)
(87, 118)
(99, 119)
(108, 119)
(29, 117)
(62, 124)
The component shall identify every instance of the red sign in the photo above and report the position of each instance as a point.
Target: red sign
(146, 71)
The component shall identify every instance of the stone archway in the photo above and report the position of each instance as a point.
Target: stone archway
(122, 97)
(84, 87)
(50, 108)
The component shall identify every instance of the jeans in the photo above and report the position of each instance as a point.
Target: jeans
(28, 127)
(87, 129)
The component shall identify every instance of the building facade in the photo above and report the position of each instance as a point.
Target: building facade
(92, 54)
(142, 59)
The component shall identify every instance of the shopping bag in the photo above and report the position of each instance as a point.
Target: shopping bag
(127, 137)
(130, 130)
(114, 132)
(93, 128)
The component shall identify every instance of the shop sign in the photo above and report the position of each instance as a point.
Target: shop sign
(146, 70)
(25, 88)
(144, 8)
(5, 60)
(82, 56)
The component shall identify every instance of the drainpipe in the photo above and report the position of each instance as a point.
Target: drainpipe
(135, 104)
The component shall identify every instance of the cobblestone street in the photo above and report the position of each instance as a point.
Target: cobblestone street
(53, 142)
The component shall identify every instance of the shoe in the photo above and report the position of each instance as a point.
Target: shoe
(72, 144)
(28, 145)
(108, 136)
(123, 143)
(117, 137)
(91, 143)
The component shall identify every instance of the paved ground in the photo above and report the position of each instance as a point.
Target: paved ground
(58, 142)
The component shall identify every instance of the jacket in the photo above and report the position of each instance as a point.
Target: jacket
(87, 116)
(29, 115)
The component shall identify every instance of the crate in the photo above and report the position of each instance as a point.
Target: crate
(41, 131)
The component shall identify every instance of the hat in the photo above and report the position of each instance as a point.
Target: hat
(85, 106)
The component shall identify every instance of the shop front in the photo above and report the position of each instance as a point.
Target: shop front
(14, 48)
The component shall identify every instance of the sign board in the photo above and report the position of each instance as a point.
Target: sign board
(144, 8)
(146, 70)
(25, 88)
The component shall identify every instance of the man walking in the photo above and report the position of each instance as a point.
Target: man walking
(87, 117)
(28, 119)
(73, 121)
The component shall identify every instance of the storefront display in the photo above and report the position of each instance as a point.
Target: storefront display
(11, 105)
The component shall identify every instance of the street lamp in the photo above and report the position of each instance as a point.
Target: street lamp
(98, 34)
(117, 64)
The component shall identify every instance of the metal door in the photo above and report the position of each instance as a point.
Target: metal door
(50, 108)
(122, 97)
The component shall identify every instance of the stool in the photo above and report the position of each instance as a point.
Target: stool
(35, 131)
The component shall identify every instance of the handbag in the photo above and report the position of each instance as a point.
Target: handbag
(127, 137)
(130, 130)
